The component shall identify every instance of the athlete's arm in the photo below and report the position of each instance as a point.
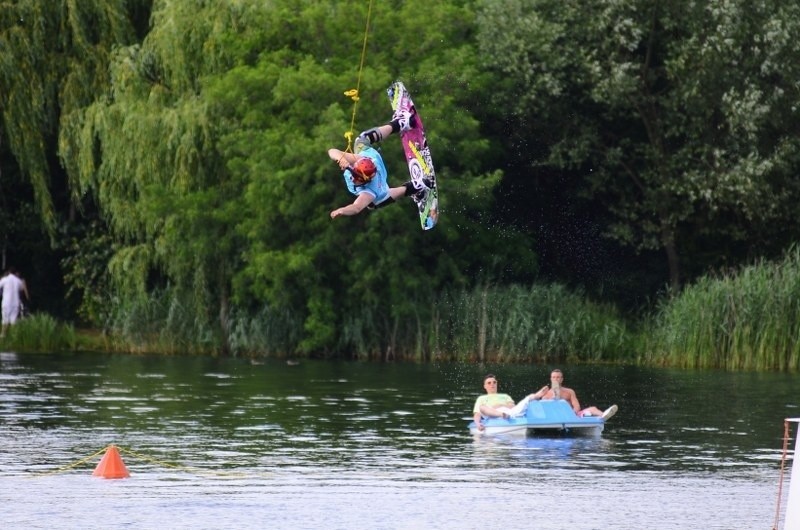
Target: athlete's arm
(342, 158)
(361, 202)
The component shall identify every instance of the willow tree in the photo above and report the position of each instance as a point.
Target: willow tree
(157, 153)
(146, 151)
(681, 116)
(54, 57)
(54, 61)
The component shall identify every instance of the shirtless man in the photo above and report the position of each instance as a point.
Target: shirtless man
(557, 391)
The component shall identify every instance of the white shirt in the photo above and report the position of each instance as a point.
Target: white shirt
(10, 286)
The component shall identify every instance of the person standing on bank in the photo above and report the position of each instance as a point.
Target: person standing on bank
(11, 289)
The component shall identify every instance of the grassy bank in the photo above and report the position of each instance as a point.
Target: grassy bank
(506, 323)
(41, 333)
(541, 323)
(744, 320)
(502, 324)
(748, 319)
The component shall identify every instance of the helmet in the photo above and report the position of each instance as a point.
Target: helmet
(363, 170)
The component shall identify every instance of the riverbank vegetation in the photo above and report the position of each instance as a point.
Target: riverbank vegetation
(615, 178)
(748, 319)
(41, 333)
(744, 319)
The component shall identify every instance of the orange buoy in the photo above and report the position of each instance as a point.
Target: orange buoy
(111, 465)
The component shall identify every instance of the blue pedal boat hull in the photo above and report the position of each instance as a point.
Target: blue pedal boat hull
(550, 418)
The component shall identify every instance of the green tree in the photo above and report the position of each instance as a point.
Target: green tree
(147, 152)
(680, 115)
(289, 109)
(54, 57)
(207, 158)
(53, 62)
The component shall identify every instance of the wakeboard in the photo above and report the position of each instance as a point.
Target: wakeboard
(418, 158)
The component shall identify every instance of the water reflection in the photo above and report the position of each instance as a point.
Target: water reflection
(393, 436)
(569, 451)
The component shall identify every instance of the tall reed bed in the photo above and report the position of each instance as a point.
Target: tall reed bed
(391, 331)
(268, 332)
(749, 319)
(499, 323)
(40, 333)
(169, 322)
(531, 323)
(163, 321)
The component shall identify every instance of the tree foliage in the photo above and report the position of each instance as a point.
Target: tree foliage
(207, 157)
(196, 134)
(53, 63)
(679, 115)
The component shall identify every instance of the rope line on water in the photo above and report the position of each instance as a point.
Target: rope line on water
(353, 93)
(195, 470)
(62, 469)
(149, 459)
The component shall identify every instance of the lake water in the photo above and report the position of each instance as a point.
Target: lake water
(225, 443)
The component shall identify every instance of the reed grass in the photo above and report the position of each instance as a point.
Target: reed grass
(493, 323)
(40, 332)
(269, 332)
(163, 321)
(497, 323)
(748, 319)
(540, 323)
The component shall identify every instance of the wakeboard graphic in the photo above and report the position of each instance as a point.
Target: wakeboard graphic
(418, 157)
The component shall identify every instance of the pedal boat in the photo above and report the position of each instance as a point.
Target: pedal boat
(547, 418)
